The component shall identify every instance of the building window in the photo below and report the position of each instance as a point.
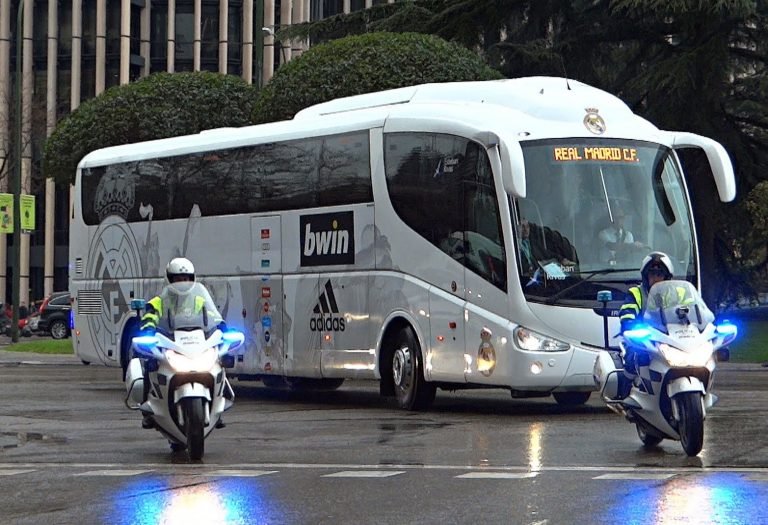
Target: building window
(185, 35)
(158, 37)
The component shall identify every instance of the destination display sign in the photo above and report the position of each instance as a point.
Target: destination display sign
(594, 153)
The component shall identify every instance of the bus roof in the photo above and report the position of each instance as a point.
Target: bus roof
(524, 108)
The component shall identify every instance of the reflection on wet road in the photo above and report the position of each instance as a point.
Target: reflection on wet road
(715, 498)
(151, 500)
(348, 457)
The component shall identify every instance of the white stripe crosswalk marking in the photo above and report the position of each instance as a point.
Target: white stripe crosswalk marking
(116, 472)
(364, 474)
(635, 476)
(13, 472)
(497, 475)
(239, 473)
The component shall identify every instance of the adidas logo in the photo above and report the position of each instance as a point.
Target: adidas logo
(325, 316)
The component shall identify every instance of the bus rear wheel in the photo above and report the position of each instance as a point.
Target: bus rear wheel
(411, 390)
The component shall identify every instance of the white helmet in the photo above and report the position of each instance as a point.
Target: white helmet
(656, 261)
(180, 266)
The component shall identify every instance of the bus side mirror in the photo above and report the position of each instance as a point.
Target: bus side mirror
(719, 161)
(507, 161)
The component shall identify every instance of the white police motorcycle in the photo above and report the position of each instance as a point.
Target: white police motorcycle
(674, 350)
(177, 380)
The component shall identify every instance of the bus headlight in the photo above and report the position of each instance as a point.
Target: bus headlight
(536, 342)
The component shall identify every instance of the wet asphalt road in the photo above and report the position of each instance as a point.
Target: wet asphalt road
(72, 453)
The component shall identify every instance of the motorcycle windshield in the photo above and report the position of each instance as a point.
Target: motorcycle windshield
(194, 309)
(676, 302)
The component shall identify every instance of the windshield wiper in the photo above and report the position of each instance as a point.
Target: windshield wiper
(586, 277)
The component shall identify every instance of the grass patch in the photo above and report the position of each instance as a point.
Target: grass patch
(42, 346)
(751, 345)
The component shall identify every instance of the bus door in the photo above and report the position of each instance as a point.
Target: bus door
(486, 306)
(263, 301)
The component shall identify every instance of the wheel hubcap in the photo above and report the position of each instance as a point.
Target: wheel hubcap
(400, 365)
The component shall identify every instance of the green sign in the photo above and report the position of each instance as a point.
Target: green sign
(6, 212)
(27, 206)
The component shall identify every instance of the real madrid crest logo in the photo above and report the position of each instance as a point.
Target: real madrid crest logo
(486, 354)
(594, 122)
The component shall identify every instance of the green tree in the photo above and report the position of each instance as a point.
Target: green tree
(158, 106)
(363, 64)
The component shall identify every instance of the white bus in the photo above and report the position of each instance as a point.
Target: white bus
(378, 236)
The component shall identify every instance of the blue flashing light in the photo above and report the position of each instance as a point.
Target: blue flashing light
(638, 333)
(726, 328)
(146, 341)
(71, 320)
(232, 336)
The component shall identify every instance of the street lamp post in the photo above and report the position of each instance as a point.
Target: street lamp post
(271, 32)
(16, 284)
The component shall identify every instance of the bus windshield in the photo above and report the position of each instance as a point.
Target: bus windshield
(594, 208)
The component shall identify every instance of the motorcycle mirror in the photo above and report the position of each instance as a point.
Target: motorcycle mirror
(604, 296)
(138, 304)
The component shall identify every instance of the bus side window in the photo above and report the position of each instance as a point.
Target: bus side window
(485, 244)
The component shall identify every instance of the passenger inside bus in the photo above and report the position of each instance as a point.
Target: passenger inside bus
(540, 246)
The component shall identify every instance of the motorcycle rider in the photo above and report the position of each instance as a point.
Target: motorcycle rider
(175, 296)
(180, 273)
(656, 267)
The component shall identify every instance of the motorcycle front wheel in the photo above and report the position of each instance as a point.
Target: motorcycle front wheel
(691, 424)
(194, 423)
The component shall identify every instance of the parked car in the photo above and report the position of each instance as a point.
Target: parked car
(25, 330)
(55, 314)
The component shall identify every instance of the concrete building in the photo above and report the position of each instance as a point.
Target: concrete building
(73, 50)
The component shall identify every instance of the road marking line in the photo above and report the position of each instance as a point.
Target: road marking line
(14, 472)
(364, 474)
(638, 476)
(497, 475)
(191, 467)
(116, 472)
(239, 473)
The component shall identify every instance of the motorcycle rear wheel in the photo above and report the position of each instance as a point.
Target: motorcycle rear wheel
(194, 423)
(691, 424)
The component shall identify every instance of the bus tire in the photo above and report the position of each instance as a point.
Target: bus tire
(412, 392)
(571, 398)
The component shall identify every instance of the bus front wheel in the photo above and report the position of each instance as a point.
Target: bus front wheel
(571, 398)
(411, 390)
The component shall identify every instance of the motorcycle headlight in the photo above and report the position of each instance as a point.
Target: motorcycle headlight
(679, 358)
(536, 342)
(201, 362)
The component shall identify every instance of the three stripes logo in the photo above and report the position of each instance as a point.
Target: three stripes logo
(325, 316)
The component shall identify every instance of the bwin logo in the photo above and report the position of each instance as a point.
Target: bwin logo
(327, 238)
(326, 313)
